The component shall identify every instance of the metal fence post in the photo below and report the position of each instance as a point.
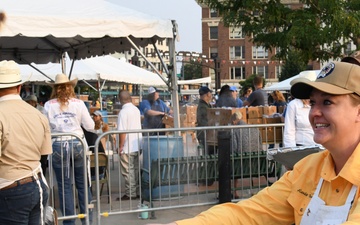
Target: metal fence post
(224, 146)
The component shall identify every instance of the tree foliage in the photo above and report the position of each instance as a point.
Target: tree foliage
(191, 70)
(317, 30)
(292, 66)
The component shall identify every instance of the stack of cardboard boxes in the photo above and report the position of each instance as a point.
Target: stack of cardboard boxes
(187, 117)
(221, 117)
(251, 115)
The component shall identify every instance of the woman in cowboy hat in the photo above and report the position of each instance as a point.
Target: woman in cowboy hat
(67, 114)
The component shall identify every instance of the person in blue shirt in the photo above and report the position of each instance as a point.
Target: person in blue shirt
(235, 94)
(154, 109)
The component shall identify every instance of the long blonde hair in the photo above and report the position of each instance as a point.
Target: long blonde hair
(63, 93)
(278, 96)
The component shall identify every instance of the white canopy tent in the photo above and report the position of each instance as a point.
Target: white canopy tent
(103, 67)
(204, 80)
(41, 31)
(285, 84)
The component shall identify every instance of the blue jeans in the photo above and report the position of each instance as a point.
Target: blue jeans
(21, 205)
(64, 162)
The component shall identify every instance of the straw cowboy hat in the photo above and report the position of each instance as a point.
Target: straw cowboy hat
(62, 79)
(9, 74)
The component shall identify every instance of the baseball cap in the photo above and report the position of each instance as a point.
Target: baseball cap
(354, 58)
(204, 90)
(337, 78)
(152, 90)
(97, 113)
(233, 88)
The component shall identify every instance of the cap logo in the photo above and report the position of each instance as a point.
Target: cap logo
(327, 70)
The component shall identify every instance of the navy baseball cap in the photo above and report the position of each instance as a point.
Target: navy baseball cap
(204, 90)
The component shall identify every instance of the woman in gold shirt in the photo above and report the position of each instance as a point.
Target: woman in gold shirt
(323, 187)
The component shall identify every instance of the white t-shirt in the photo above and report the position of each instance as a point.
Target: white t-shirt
(297, 129)
(130, 119)
(70, 120)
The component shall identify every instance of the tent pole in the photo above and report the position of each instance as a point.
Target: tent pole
(144, 57)
(174, 86)
(63, 63)
(99, 90)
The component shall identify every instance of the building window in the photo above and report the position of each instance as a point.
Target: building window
(261, 71)
(237, 73)
(259, 52)
(213, 13)
(237, 52)
(236, 33)
(213, 33)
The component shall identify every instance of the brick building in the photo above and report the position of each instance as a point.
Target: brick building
(233, 53)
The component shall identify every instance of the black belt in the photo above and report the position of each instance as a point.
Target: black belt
(21, 182)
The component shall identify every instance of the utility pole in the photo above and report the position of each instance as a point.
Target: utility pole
(214, 56)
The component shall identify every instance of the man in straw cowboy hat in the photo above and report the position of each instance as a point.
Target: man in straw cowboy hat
(24, 137)
(67, 114)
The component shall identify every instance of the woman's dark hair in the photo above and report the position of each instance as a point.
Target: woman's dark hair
(225, 88)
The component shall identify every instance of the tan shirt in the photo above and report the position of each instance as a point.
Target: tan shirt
(24, 137)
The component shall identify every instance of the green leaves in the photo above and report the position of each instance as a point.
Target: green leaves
(317, 30)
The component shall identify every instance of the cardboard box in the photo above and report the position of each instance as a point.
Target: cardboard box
(186, 124)
(191, 118)
(222, 116)
(243, 112)
(269, 110)
(269, 136)
(211, 137)
(255, 112)
(84, 97)
(188, 109)
(255, 121)
(168, 120)
(218, 116)
(272, 120)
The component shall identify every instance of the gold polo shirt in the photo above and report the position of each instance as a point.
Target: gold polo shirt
(24, 137)
(286, 200)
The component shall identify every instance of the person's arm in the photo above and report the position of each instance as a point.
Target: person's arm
(86, 121)
(122, 138)
(290, 126)
(149, 111)
(122, 125)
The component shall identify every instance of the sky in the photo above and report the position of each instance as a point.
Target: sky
(187, 14)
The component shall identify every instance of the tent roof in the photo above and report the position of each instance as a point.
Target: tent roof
(106, 67)
(285, 84)
(40, 31)
(204, 80)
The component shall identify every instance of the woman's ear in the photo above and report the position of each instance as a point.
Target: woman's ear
(358, 114)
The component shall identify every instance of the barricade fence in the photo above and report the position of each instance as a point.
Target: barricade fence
(185, 167)
(67, 178)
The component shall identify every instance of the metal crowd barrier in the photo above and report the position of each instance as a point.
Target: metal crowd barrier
(187, 193)
(53, 197)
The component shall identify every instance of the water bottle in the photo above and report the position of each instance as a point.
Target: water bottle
(143, 215)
